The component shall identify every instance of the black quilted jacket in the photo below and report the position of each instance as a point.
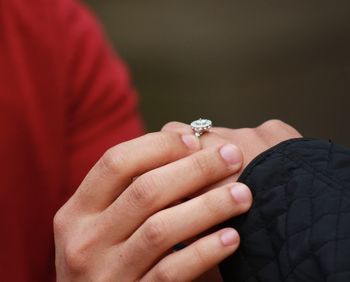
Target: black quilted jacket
(299, 226)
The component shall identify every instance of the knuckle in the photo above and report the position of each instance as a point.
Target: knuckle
(169, 126)
(59, 222)
(76, 258)
(112, 160)
(275, 128)
(175, 126)
(154, 232)
(62, 220)
(164, 274)
(273, 124)
(164, 141)
(213, 207)
(202, 164)
(199, 255)
(78, 250)
(142, 192)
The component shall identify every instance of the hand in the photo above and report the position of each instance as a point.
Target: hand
(127, 214)
(251, 141)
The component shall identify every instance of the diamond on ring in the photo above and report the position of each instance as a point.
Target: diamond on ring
(201, 126)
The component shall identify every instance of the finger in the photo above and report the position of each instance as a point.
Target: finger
(173, 225)
(194, 260)
(208, 139)
(164, 186)
(120, 164)
(215, 136)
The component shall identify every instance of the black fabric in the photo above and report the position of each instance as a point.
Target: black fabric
(299, 226)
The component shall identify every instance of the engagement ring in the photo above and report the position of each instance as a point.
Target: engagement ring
(201, 126)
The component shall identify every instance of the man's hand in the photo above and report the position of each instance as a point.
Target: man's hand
(126, 216)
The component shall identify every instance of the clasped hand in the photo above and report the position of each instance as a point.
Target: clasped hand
(146, 195)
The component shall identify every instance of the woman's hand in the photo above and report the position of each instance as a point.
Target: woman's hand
(251, 141)
(126, 216)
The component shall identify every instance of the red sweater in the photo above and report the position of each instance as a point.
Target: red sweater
(64, 99)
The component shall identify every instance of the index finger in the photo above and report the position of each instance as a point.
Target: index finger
(120, 164)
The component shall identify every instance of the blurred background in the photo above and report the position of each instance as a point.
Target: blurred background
(238, 63)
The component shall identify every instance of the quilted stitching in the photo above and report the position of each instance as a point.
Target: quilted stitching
(299, 226)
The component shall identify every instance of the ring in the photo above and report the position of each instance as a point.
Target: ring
(201, 126)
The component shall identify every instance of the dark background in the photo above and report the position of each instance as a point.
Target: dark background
(238, 63)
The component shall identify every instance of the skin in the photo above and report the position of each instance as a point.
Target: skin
(129, 211)
(251, 141)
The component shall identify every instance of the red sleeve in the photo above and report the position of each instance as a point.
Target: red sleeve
(101, 101)
(64, 99)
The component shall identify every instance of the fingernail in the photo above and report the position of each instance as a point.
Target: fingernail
(240, 193)
(191, 142)
(229, 237)
(231, 154)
